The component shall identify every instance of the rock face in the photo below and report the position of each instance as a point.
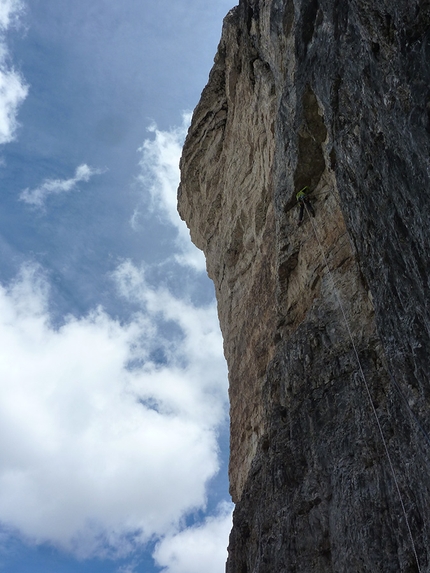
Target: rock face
(326, 326)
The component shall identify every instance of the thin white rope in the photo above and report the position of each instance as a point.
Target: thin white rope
(335, 290)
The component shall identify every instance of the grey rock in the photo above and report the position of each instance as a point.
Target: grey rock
(335, 95)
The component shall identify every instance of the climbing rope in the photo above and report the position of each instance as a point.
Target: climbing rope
(335, 290)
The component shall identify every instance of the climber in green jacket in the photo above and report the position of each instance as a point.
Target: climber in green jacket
(303, 201)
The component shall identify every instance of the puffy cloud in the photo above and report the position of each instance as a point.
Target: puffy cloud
(107, 430)
(160, 176)
(13, 89)
(200, 342)
(199, 548)
(9, 11)
(37, 196)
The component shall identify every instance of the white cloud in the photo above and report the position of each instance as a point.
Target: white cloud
(9, 11)
(199, 548)
(160, 177)
(129, 568)
(37, 196)
(100, 445)
(13, 89)
(201, 345)
(108, 431)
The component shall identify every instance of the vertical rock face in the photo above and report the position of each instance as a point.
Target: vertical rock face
(326, 326)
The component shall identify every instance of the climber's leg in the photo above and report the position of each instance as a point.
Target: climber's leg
(301, 213)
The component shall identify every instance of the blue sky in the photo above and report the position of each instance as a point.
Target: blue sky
(113, 386)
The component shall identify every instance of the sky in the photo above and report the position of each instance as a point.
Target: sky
(113, 384)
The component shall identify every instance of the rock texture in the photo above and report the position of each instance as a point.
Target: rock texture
(326, 326)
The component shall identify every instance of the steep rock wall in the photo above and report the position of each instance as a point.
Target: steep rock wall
(335, 95)
(229, 152)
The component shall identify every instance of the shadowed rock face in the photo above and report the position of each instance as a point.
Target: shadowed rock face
(333, 94)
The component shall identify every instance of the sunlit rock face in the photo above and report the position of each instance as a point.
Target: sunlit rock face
(334, 95)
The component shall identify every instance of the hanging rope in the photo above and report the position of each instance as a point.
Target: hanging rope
(367, 390)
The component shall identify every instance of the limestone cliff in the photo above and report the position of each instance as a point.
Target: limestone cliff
(326, 326)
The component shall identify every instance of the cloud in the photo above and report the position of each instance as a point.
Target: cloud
(129, 568)
(200, 344)
(9, 11)
(199, 548)
(108, 431)
(160, 178)
(13, 89)
(38, 196)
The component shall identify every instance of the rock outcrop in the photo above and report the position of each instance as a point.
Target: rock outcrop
(326, 326)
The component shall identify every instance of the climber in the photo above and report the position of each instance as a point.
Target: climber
(303, 201)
